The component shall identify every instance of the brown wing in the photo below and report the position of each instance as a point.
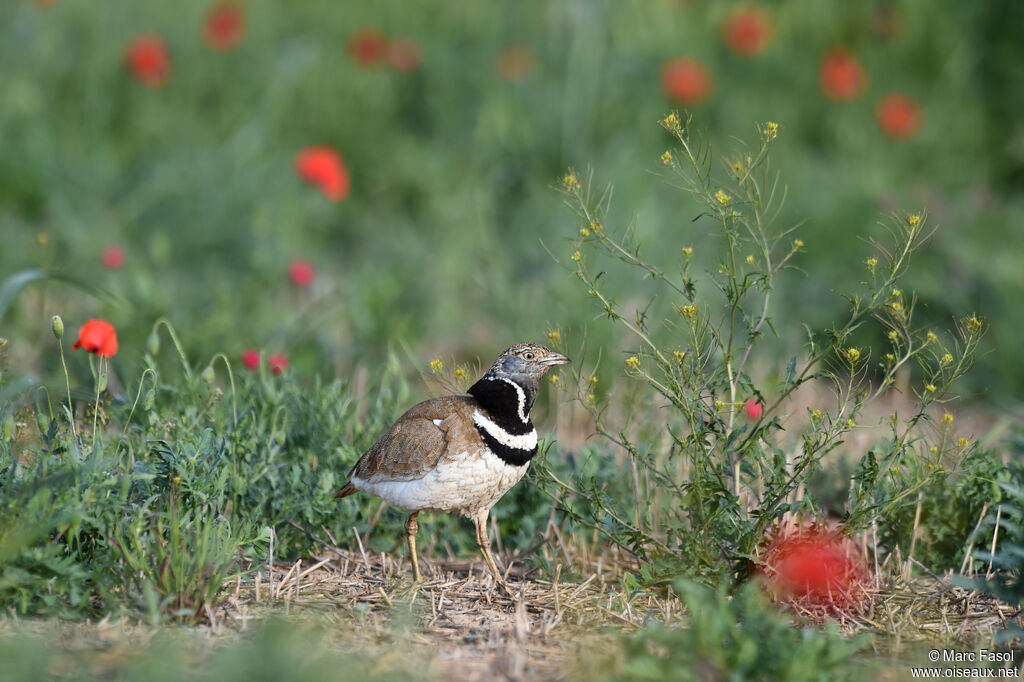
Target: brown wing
(414, 444)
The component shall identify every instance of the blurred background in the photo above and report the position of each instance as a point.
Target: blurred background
(332, 183)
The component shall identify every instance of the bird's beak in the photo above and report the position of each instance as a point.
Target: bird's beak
(556, 359)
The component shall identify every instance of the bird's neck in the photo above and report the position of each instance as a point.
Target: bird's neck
(507, 402)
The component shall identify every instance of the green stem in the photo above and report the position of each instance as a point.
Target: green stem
(138, 393)
(67, 384)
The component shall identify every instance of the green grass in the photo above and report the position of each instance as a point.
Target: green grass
(140, 497)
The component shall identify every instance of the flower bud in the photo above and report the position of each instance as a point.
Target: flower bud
(147, 402)
(208, 375)
(153, 343)
(57, 325)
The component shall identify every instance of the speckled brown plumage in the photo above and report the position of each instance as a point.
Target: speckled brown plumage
(415, 444)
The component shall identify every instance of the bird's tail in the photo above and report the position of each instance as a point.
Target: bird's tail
(349, 489)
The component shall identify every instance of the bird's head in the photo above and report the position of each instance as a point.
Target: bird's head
(526, 361)
(521, 366)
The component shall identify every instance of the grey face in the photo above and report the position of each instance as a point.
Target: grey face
(527, 362)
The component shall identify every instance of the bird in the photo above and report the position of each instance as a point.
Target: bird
(459, 454)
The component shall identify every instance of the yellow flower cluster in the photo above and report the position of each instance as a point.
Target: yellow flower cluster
(853, 354)
(947, 419)
(460, 374)
(671, 121)
(771, 130)
(871, 263)
(436, 366)
(679, 355)
(584, 232)
(798, 243)
(570, 182)
(576, 256)
(633, 362)
(722, 197)
(690, 311)
(946, 359)
(687, 251)
(666, 158)
(914, 219)
(973, 324)
(555, 336)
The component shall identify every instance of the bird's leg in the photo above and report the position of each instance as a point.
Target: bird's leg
(484, 543)
(411, 526)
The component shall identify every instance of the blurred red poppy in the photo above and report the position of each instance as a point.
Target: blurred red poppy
(685, 80)
(841, 75)
(224, 26)
(277, 363)
(514, 63)
(251, 358)
(368, 47)
(323, 166)
(404, 55)
(301, 273)
(149, 60)
(754, 409)
(113, 257)
(815, 567)
(97, 336)
(899, 116)
(747, 30)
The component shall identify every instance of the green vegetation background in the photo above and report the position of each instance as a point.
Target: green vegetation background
(443, 244)
(447, 247)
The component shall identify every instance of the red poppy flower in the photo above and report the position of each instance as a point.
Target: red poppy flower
(514, 63)
(404, 55)
(747, 30)
(815, 567)
(113, 257)
(277, 363)
(685, 80)
(368, 47)
(323, 166)
(97, 336)
(251, 358)
(754, 409)
(224, 26)
(899, 116)
(841, 76)
(301, 273)
(149, 60)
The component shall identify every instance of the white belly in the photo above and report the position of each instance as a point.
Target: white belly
(465, 484)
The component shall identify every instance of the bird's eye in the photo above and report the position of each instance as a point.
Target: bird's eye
(528, 356)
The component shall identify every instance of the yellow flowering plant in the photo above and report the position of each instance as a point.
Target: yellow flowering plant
(728, 473)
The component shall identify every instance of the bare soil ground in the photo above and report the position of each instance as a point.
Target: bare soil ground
(459, 624)
(456, 624)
